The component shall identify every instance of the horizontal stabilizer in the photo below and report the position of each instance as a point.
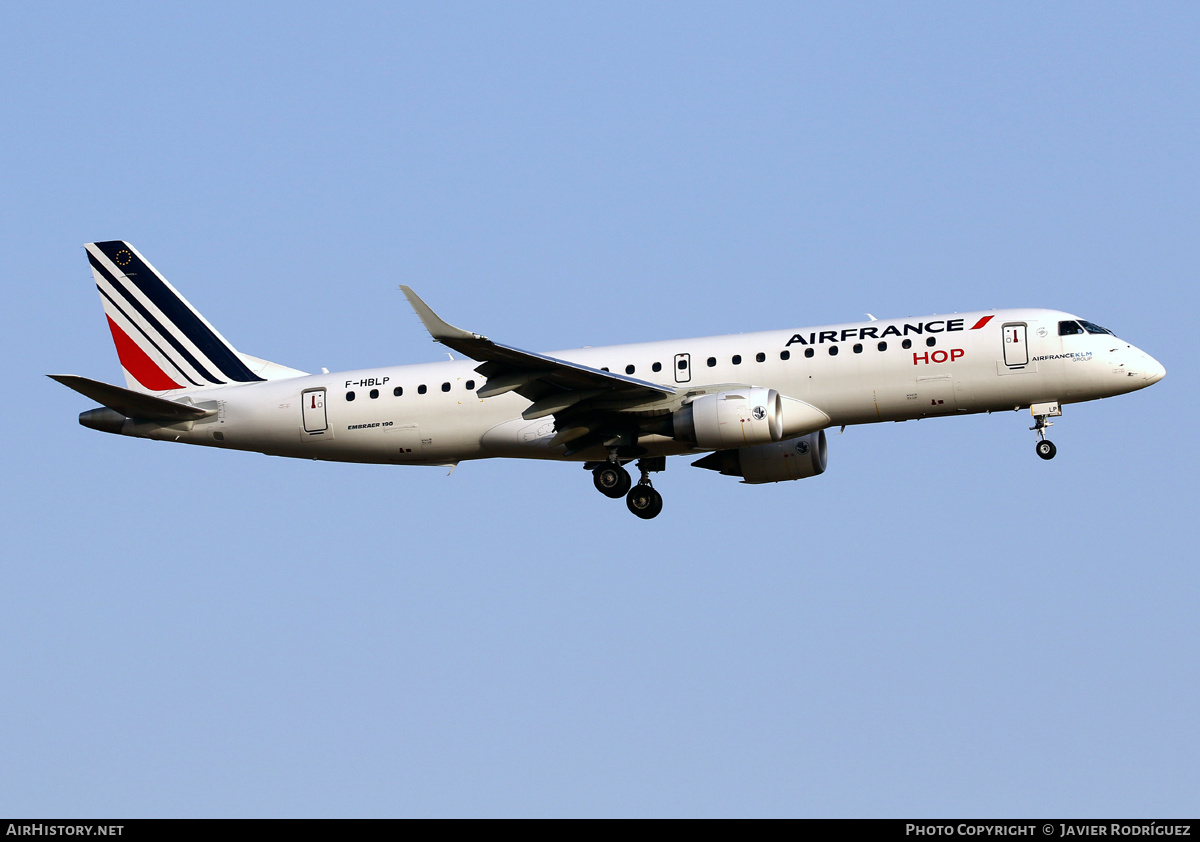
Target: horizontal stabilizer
(133, 404)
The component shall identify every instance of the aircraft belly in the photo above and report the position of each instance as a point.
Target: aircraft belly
(521, 439)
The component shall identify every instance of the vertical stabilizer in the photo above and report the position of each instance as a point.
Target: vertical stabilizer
(162, 341)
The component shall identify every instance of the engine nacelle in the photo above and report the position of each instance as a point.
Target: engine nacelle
(779, 461)
(739, 417)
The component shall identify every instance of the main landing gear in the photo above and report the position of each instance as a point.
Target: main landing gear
(643, 500)
(1041, 412)
(611, 479)
(614, 481)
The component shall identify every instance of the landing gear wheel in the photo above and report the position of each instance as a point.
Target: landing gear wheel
(657, 509)
(612, 480)
(1046, 449)
(644, 502)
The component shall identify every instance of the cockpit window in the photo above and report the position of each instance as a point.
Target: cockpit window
(1095, 328)
(1069, 328)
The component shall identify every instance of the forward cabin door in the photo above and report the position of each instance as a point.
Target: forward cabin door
(1016, 351)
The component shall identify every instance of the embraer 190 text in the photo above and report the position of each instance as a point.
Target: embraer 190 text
(755, 404)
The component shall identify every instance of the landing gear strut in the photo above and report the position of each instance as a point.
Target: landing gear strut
(1041, 412)
(643, 500)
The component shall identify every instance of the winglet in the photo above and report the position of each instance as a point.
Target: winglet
(438, 329)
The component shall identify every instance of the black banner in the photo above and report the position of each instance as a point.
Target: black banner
(896, 828)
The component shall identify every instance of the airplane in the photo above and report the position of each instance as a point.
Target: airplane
(751, 405)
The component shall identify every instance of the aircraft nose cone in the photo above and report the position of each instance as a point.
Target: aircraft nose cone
(1155, 370)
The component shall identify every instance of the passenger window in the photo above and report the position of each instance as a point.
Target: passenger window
(422, 389)
(737, 359)
(712, 361)
(398, 391)
(906, 344)
(931, 341)
(681, 365)
(630, 369)
(470, 385)
(760, 357)
(808, 352)
(858, 348)
(882, 346)
(656, 367)
(445, 387)
(785, 355)
(349, 396)
(374, 394)
(833, 350)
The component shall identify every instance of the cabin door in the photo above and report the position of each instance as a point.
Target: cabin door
(313, 403)
(1016, 350)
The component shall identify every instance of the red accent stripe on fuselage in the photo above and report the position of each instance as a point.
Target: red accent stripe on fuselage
(982, 322)
(135, 361)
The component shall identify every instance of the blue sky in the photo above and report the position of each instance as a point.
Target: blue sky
(942, 624)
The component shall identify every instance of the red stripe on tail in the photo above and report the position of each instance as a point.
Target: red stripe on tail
(134, 360)
(982, 322)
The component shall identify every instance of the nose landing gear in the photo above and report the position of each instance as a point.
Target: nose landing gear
(1041, 412)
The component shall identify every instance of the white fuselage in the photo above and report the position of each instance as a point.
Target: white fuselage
(1014, 359)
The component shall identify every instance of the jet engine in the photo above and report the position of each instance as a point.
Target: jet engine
(753, 415)
(790, 459)
(746, 416)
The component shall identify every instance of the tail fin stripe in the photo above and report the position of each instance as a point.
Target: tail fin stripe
(149, 341)
(136, 362)
(149, 320)
(182, 316)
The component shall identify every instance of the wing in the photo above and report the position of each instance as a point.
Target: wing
(590, 406)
